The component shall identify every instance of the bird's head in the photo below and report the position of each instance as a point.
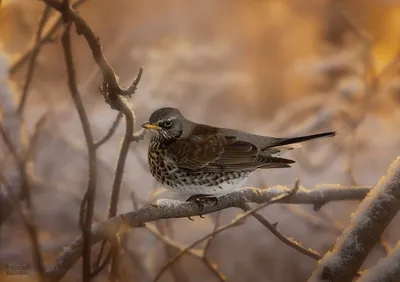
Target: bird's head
(166, 123)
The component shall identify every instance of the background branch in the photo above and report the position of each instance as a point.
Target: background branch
(32, 62)
(90, 194)
(48, 37)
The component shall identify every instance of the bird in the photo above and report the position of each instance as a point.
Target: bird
(203, 161)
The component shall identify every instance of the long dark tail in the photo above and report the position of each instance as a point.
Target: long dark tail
(287, 141)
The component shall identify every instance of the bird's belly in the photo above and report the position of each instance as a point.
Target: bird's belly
(198, 182)
(211, 189)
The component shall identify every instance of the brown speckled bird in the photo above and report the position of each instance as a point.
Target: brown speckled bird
(202, 160)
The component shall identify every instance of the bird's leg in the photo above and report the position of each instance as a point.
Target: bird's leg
(200, 199)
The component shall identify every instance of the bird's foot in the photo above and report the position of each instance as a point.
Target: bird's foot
(200, 200)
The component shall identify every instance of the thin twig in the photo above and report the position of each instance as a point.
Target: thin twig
(25, 212)
(273, 228)
(92, 160)
(290, 242)
(48, 37)
(110, 132)
(139, 135)
(35, 135)
(208, 243)
(32, 63)
(101, 266)
(196, 253)
(119, 170)
(111, 88)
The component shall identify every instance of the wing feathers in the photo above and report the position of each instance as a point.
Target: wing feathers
(215, 153)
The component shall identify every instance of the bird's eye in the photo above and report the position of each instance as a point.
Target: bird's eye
(167, 123)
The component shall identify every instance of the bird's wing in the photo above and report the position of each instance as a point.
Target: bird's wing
(215, 153)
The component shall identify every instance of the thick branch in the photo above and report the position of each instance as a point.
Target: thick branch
(367, 225)
(176, 209)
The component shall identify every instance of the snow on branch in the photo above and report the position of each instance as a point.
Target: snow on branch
(387, 269)
(367, 225)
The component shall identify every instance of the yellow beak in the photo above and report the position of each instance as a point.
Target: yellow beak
(150, 126)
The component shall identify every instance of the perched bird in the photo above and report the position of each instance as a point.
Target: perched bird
(201, 160)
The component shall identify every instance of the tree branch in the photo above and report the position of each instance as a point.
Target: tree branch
(111, 88)
(90, 194)
(290, 242)
(32, 63)
(48, 37)
(110, 132)
(177, 209)
(367, 225)
(113, 93)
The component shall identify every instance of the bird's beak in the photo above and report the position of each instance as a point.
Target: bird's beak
(148, 125)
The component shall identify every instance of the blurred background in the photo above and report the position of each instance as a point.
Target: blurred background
(273, 67)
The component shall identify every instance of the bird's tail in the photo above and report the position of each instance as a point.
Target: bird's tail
(280, 145)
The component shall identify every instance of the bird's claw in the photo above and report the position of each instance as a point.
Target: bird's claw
(200, 200)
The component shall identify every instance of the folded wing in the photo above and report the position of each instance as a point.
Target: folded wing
(216, 153)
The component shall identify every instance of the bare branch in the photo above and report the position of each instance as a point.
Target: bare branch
(110, 132)
(368, 223)
(29, 223)
(111, 90)
(220, 229)
(92, 159)
(34, 136)
(208, 243)
(32, 63)
(290, 242)
(48, 37)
